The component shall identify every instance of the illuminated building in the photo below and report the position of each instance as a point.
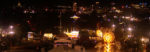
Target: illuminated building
(48, 35)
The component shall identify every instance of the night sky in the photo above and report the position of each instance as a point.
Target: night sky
(10, 14)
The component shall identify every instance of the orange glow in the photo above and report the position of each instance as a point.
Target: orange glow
(108, 37)
(48, 35)
(73, 34)
(107, 47)
(99, 33)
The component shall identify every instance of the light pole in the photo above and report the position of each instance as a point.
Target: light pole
(11, 29)
(75, 18)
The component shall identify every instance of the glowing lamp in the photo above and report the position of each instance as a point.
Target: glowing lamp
(99, 33)
(75, 17)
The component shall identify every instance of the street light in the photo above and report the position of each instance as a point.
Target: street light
(130, 29)
(144, 40)
(11, 27)
(113, 25)
(11, 32)
(75, 17)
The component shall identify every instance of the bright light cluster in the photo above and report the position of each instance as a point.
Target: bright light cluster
(130, 18)
(99, 33)
(73, 34)
(108, 37)
(48, 35)
(144, 40)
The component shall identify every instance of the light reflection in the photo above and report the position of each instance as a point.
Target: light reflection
(107, 47)
(144, 50)
(108, 39)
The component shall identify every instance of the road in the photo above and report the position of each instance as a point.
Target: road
(63, 49)
(35, 48)
(27, 48)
